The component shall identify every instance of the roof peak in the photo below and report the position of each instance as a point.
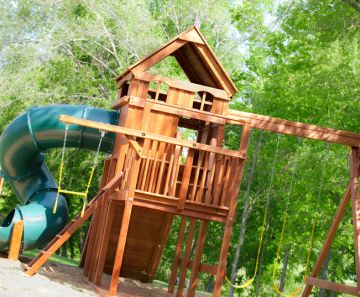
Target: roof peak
(194, 56)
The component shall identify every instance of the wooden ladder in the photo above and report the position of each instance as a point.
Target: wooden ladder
(74, 225)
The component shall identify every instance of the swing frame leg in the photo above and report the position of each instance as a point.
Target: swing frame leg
(351, 192)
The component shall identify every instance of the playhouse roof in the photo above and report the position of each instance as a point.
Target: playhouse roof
(194, 56)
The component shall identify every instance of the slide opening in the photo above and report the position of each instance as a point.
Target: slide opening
(8, 219)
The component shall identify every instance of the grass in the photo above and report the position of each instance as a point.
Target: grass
(54, 258)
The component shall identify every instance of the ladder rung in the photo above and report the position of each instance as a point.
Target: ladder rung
(73, 193)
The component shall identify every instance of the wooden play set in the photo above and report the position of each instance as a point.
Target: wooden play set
(153, 175)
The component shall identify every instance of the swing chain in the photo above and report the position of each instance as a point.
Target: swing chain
(92, 171)
(61, 168)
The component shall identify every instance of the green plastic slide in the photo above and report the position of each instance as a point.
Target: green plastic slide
(22, 150)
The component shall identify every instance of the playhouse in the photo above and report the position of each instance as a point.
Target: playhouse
(153, 175)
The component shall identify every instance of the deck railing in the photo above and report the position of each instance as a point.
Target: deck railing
(187, 174)
(174, 168)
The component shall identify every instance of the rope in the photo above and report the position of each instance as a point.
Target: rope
(251, 280)
(275, 286)
(61, 169)
(299, 290)
(92, 171)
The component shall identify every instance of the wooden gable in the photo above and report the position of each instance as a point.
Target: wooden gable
(194, 56)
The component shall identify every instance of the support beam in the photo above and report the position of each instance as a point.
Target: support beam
(16, 238)
(186, 258)
(177, 256)
(355, 199)
(146, 135)
(295, 128)
(321, 283)
(195, 268)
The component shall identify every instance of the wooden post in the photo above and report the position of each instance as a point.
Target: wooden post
(355, 199)
(178, 249)
(1, 184)
(16, 238)
(186, 258)
(197, 259)
(124, 226)
(220, 274)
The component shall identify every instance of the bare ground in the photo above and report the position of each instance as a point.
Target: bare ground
(59, 280)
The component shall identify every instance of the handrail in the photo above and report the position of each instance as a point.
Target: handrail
(156, 137)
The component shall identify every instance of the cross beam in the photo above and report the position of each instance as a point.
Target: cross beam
(295, 128)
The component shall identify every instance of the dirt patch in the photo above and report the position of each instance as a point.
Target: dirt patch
(58, 280)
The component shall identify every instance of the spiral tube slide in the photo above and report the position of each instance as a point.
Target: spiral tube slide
(22, 147)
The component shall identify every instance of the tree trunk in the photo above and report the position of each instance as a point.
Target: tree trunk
(63, 252)
(324, 273)
(72, 248)
(261, 261)
(210, 284)
(82, 237)
(245, 215)
(284, 269)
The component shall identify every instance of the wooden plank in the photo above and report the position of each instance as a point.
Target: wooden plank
(120, 102)
(194, 279)
(216, 70)
(177, 255)
(137, 148)
(336, 287)
(196, 178)
(296, 128)
(183, 85)
(146, 135)
(355, 199)
(188, 112)
(169, 172)
(216, 62)
(226, 181)
(1, 185)
(184, 189)
(192, 36)
(200, 193)
(160, 178)
(154, 167)
(186, 258)
(16, 239)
